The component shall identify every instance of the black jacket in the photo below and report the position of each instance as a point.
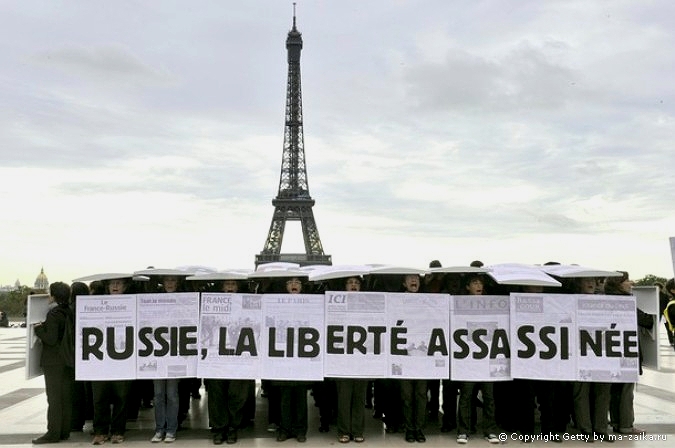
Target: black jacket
(51, 334)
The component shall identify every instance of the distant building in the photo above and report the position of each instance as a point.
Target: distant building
(8, 288)
(41, 284)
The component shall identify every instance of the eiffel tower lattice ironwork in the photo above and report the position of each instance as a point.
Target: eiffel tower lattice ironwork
(293, 202)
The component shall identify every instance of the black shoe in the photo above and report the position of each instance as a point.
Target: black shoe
(218, 439)
(231, 436)
(282, 436)
(419, 436)
(45, 439)
(410, 436)
(301, 438)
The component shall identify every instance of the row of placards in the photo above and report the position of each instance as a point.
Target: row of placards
(357, 335)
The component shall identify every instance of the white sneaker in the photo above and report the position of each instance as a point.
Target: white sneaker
(170, 438)
(462, 439)
(492, 438)
(158, 437)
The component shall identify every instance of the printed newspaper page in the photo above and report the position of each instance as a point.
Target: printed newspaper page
(608, 339)
(230, 336)
(479, 345)
(418, 325)
(543, 336)
(104, 337)
(292, 336)
(167, 335)
(356, 343)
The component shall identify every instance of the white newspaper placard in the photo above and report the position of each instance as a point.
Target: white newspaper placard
(37, 308)
(230, 336)
(167, 335)
(479, 346)
(647, 300)
(418, 325)
(608, 339)
(105, 337)
(543, 336)
(355, 344)
(292, 342)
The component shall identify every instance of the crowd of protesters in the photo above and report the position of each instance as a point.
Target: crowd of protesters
(405, 406)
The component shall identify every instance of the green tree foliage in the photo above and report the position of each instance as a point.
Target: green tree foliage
(650, 280)
(14, 302)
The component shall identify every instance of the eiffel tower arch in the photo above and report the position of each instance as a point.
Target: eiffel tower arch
(293, 202)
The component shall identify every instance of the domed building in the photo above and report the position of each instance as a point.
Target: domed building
(41, 284)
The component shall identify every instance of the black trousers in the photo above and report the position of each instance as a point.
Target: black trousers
(414, 398)
(83, 407)
(59, 381)
(226, 403)
(293, 410)
(351, 411)
(107, 393)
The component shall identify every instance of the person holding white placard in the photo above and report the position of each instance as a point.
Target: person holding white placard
(474, 284)
(351, 395)
(110, 396)
(166, 390)
(227, 397)
(622, 414)
(591, 399)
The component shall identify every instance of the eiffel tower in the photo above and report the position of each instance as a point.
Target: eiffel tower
(293, 202)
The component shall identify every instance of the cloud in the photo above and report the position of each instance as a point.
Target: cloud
(101, 64)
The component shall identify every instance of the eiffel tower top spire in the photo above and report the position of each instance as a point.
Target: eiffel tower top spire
(293, 202)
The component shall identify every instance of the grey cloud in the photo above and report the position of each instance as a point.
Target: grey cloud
(114, 63)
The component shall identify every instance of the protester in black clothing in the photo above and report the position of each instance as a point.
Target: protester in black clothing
(293, 394)
(591, 399)
(59, 377)
(111, 396)
(413, 392)
(666, 294)
(82, 396)
(227, 397)
(621, 410)
(351, 394)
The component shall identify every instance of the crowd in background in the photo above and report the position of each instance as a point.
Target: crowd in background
(405, 406)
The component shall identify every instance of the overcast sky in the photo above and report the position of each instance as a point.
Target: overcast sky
(137, 133)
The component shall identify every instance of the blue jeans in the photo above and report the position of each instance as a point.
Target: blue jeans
(166, 406)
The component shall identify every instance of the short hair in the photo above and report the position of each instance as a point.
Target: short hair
(613, 284)
(471, 277)
(476, 264)
(435, 264)
(61, 292)
(78, 289)
(670, 284)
